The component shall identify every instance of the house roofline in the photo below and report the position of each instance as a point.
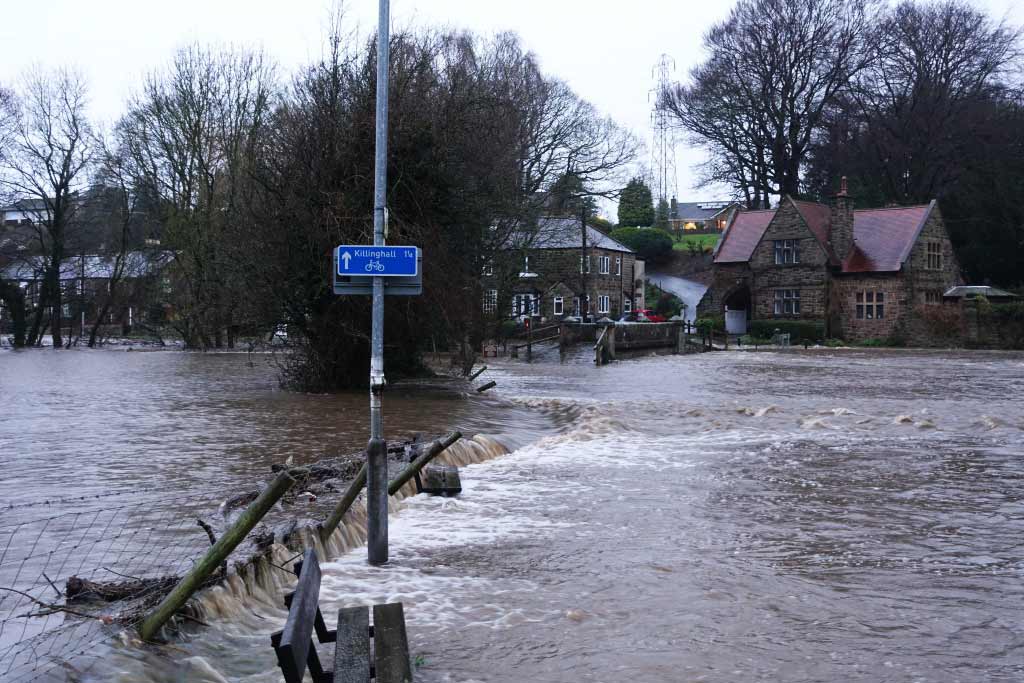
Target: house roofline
(917, 233)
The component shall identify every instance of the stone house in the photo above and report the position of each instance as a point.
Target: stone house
(544, 274)
(699, 217)
(864, 273)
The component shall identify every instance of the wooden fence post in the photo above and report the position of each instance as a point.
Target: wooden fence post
(217, 554)
(344, 504)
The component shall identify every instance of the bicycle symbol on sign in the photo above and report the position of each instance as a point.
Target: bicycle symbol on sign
(374, 266)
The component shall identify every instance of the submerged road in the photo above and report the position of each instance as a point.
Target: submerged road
(690, 291)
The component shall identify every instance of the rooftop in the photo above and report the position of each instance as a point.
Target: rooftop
(882, 238)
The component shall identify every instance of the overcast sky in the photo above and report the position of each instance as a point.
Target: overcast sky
(606, 55)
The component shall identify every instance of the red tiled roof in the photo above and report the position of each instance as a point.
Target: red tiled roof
(742, 235)
(817, 216)
(883, 238)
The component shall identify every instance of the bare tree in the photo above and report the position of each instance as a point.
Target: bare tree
(933, 65)
(49, 161)
(774, 68)
(189, 139)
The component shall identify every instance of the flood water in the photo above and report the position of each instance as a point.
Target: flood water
(804, 516)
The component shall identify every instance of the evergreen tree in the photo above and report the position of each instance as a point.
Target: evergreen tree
(636, 207)
(661, 215)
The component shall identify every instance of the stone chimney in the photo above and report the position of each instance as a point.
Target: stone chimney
(673, 209)
(840, 229)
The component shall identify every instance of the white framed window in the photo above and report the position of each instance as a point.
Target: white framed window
(587, 261)
(604, 265)
(618, 265)
(558, 306)
(870, 305)
(604, 303)
(787, 302)
(787, 251)
(627, 305)
(525, 304)
(490, 301)
(489, 267)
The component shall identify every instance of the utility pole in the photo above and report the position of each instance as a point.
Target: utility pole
(376, 450)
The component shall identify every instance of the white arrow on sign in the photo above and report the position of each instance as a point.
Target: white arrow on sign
(346, 257)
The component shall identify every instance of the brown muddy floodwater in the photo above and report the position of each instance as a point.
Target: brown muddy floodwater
(815, 516)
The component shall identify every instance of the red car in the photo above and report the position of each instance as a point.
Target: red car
(650, 315)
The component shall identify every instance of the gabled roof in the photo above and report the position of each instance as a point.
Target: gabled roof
(563, 233)
(817, 217)
(882, 238)
(741, 235)
(699, 211)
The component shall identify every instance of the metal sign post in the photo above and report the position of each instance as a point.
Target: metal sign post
(376, 449)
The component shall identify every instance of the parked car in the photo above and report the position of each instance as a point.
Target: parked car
(649, 315)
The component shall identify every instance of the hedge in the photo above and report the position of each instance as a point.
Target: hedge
(799, 330)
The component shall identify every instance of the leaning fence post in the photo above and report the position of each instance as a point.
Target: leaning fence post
(344, 504)
(217, 554)
(435, 449)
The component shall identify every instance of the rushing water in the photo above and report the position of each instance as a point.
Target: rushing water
(739, 516)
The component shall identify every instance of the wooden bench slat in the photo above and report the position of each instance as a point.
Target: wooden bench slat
(391, 647)
(294, 646)
(352, 652)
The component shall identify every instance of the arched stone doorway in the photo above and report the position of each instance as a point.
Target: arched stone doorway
(737, 310)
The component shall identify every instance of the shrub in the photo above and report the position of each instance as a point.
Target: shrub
(941, 322)
(707, 325)
(799, 331)
(651, 245)
(835, 343)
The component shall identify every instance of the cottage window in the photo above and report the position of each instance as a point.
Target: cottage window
(787, 302)
(558, 307)
(489, 268)
(585, 260)
(870, 305)
(618, 265)
(605, 265)
(525, 304)
(627, 305)
(934, 256)
(933, 296)
(603, 303)
(490, 301)
(787, 251)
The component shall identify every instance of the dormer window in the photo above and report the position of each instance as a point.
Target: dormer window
(787, 252)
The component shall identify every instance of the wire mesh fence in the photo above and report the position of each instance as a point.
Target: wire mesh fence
(75, 579)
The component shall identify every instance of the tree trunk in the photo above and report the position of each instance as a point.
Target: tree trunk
(14, 300)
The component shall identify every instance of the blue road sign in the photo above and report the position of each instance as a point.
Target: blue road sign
(370, 261)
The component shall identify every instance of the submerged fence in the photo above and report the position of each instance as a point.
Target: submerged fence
(100, 567)
(79, 577)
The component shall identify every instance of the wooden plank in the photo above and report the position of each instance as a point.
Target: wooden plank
(352, 653)
(293, 651)
(391, 647)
